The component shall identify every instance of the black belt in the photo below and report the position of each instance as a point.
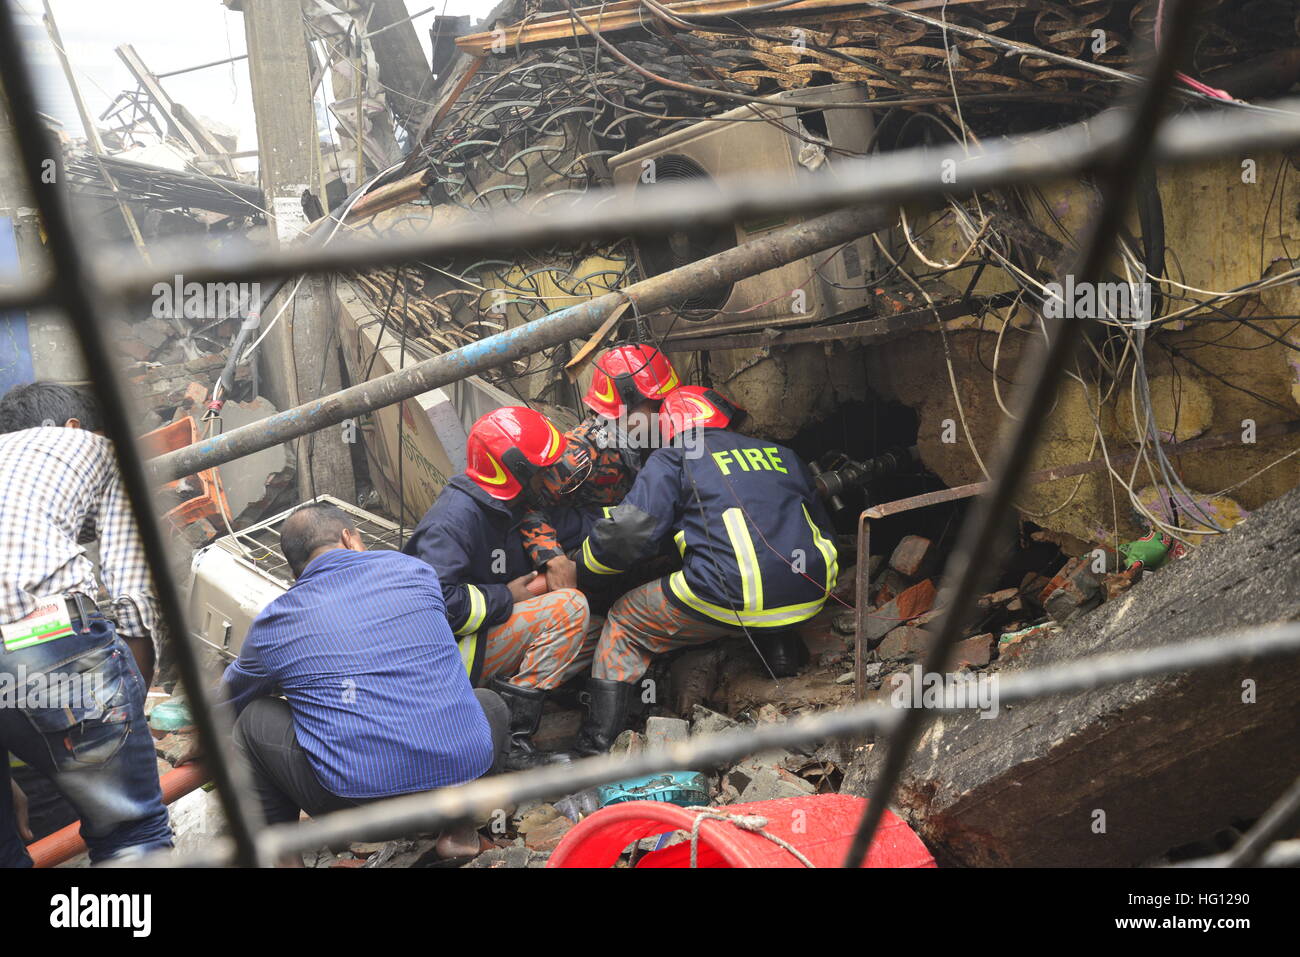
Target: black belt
(82, 610)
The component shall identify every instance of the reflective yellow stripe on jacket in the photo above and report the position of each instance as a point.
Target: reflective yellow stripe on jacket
(752, 613)
(477, 612)
(592, 565)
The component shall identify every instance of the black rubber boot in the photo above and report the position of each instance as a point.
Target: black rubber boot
(525, 706)
(607, 704)
(784, 652)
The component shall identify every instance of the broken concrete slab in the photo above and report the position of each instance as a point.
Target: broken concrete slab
(704, 721)
(660, 732)
(994, 599)
(973, 652)
(903, 643)
(1165, 760)
(245, 479)
(1012, 644)
(628, 743)
(909, 643)
(769, 784)
(874, 564)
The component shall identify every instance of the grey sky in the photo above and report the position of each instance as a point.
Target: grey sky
(168, 35)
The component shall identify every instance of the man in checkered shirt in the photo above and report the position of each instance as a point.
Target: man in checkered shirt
(74, 671)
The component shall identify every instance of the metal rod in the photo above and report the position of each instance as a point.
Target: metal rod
(431, 810)
(1279, 854)
(897, 178)
(747, 259)
(75, 294)
(1278, 820)
(862, 587)
(959, 492)
(203, 66)
(92, 134)
(1204, 444)
(968, 566)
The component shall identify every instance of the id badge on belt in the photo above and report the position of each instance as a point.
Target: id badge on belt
(49, 621)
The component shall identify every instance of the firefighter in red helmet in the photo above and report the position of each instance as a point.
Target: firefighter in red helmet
(605, 451)
(516, 635)
(737, 507)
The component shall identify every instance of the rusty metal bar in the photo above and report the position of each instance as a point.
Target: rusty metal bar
(1206, 443)
(1117, 177)
(430, 810)
(861, 600)
(875, 329)
(74, 292)
(895, 178)
(1109, 145)
(959, 492)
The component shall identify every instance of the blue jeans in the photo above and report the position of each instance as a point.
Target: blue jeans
(73, 709)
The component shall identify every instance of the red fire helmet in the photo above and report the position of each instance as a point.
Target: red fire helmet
(508, 446)
(696, 406)
(627, 374)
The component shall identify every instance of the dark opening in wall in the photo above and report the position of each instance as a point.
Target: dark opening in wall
(863, 430)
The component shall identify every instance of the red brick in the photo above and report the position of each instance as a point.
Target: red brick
(974, 652)
(917, 600)
(1117, 583)
(912, 603)
(904, 642)
(134, 349)
(998, 597)
(912, 556)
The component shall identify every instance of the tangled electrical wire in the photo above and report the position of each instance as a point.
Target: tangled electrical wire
(540, 130)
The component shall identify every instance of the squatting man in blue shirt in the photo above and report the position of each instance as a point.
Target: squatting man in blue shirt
(376, 701)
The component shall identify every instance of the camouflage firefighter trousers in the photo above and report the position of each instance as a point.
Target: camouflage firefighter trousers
(545, 641)
(642, 624)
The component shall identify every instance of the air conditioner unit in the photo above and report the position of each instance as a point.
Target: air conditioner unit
(740, 143)
(238, 575)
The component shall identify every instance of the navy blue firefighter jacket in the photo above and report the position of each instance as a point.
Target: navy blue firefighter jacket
(472, 540)
(757, 548)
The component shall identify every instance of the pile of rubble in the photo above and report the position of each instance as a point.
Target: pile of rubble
(173, 367)
(902, 623)
(727, 687)
(528, 835)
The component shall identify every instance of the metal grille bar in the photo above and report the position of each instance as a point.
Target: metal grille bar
(1111, 146)
(428, 811)
(967, 568)
(75, 293)
(602, 215)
